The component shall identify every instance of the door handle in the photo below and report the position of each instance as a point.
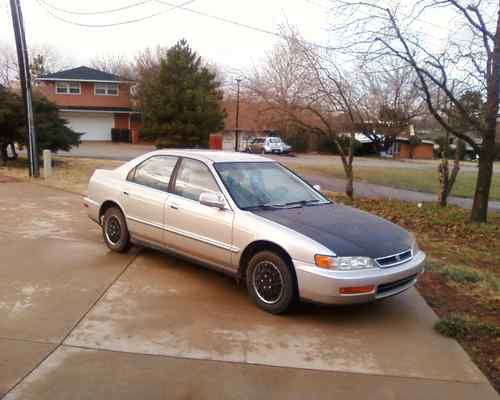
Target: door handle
(174, 206)
(125, 193)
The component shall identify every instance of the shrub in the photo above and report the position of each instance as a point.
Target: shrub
(327, 145)
(298, 142)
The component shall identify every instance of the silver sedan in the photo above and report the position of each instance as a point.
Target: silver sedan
(253, 219)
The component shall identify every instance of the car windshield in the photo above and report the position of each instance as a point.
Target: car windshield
(275, 140)
(259, 140)
(254, 185)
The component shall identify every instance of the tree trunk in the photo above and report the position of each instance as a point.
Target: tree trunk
(479, 211)
(443, 180)
(349, 186)
(456, 167)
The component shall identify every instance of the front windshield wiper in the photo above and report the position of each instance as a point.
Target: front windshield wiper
(303, 202)
(291, 204)
(294, 204)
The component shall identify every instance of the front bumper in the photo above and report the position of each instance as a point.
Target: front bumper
(323, 286)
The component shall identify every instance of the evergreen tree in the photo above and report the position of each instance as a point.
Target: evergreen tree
(182, 105)
(52, 132)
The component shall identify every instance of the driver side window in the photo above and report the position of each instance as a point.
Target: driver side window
(193, 179)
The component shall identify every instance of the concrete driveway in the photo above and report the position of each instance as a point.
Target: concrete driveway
(80, 322)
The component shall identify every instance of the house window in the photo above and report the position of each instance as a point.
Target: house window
(106, 89)
(68, 88)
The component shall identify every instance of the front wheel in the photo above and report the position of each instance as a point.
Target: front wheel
(270, 282)
(114, 230)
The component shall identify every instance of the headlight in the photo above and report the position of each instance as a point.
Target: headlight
(344, 263)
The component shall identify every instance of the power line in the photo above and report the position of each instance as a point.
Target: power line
(222, 19)
(63, 10)
(130, 21)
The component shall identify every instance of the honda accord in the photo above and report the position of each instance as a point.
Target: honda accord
(254, 219)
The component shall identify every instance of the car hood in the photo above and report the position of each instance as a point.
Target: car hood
(344, 230)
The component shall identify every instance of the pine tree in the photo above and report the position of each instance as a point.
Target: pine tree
(182, 104)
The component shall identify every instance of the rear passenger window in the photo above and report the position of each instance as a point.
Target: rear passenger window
(155, 172)
(193, 179)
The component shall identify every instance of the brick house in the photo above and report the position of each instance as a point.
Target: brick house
(92, 101)
(401, 148)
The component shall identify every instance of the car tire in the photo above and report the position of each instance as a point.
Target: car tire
(114, 230)
(270, 282)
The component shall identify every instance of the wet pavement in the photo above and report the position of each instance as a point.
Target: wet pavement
(80, 322)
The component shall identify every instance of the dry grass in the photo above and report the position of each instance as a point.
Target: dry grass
(71, 174)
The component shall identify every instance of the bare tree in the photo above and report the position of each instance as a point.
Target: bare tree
(43, 59)
(462, 64)
(8, 65)
(114, 64)
(311, 91)
(391, 101)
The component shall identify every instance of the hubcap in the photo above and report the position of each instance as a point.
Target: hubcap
(268, 282)
(113, 230)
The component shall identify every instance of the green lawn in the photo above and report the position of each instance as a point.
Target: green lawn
(412, 179)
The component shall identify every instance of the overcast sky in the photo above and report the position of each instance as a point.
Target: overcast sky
(224, 44)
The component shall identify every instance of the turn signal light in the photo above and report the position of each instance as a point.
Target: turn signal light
(324, 261)
(357, 289)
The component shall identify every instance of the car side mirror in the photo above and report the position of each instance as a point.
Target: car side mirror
(212, 200)
(317, 187)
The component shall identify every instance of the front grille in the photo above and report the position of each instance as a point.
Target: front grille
(395, 259)
(387, 287)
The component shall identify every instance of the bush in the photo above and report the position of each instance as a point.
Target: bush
(454, 327)
(298, 142)
(148, 134)
(327, 145)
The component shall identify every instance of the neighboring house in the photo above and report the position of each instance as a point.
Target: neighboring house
(92, 101)
(401, 148)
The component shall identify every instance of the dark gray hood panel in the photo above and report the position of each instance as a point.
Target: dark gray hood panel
(344, 230)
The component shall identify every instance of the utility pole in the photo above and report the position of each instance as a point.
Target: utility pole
(237, 133)
(25, 78)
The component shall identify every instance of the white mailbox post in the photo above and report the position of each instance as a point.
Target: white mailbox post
(47, 163)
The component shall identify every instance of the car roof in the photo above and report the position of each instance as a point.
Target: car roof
(213, 155)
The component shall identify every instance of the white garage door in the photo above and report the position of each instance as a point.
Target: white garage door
(94, 126)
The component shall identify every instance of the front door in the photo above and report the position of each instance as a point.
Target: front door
(194, 229)
(144, 198)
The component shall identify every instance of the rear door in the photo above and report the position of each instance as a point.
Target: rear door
(144, 198)
(194, 229)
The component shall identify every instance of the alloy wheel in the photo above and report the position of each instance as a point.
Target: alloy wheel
(268, 282)
(113, 230)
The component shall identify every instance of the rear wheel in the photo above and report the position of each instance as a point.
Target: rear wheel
(270, 282)
(114, 230)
